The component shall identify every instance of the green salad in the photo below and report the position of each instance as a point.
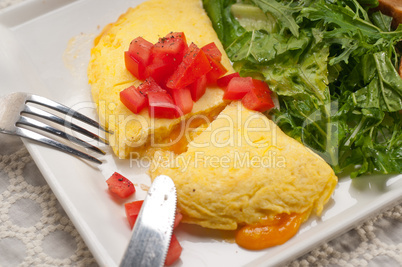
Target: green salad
(333, 66)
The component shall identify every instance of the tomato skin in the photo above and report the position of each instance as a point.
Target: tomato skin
(217, 71)
(238, 87)
(138, 57)
(177, 219)
(166, 55)
(132, 98)
(174, 251)
(198, 88)
(141, 50)
(134, 66)
(182, 99)
(259, 97)
(150, 85)
(223, 81)
(120, 185)
(132, 210)
(160, 71)
(195, 64)
(161, 105)
(212, 51)
(171, 48)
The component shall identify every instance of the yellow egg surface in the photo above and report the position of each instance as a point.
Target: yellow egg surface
(243, 168)
(107, 74)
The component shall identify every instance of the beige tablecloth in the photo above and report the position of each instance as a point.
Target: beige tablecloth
(35, 231)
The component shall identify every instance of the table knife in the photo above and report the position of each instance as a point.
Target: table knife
(153, 228)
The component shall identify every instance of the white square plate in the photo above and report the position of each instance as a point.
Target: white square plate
(44, 49)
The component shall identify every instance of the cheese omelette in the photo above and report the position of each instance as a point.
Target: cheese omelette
(238, 169)
(242, 168)
(108, 75)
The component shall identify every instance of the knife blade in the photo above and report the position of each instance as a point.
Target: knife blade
(153, 228)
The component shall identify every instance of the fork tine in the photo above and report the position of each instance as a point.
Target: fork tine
(46, 115)
(42, 139)
(42, 126)
(40, 100)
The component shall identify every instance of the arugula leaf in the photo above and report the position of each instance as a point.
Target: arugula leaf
(306, 74)
(384, 90)
(356, 36)
(333, 66)
(283, 13)
(382, 21)
(258, 47)
(252, 18)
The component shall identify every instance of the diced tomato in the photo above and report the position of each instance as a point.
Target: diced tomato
(177, 219)
(132, 210)
(262, 85)
(149, 85)
(138, 57)
(160, 71)
(195, 64)
(213, 51)
(174, 251)
(132, 98)
(198, 88)
(217, 71)
(161, 105)
(222, 82)
(134, 66)
(259, 97)
(171, 48)
(182, 99)
(141, 49)
(238, 87)
(120, 185)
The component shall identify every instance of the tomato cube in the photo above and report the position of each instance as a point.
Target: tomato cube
(161, 105)
(132, 210)
(133, 99)
(182, 99)
(150, 85)
(217, 71)
(259, 97)
(174, 251)
(171, 48)
(134, 66)
(177, 219)
(160, 71)
(238, 87)
(198, 88)
(195, 64)
(222, 82)
(141, 49)
(120, 185)
(212, 51)
(138, 57)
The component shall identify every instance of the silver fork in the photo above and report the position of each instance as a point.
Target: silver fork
(13, 110)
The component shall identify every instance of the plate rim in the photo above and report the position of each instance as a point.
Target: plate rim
(103, 258)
